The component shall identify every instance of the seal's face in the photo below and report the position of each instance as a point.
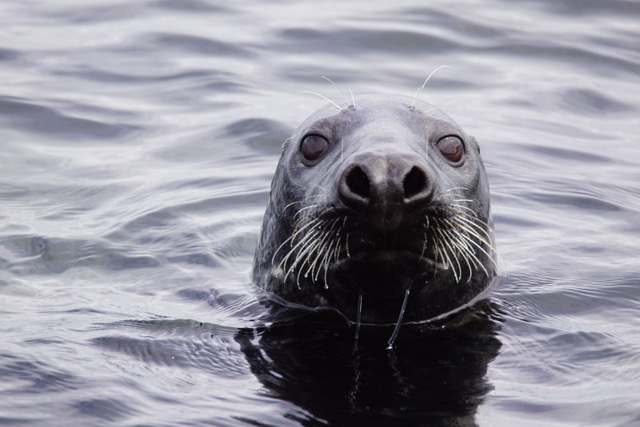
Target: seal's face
(375, 207)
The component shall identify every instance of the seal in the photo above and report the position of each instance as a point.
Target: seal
(379, 208)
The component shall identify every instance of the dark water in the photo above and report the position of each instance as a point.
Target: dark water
(138, 141)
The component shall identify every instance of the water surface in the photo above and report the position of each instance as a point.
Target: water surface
(138, 140)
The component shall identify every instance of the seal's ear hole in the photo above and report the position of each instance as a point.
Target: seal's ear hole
(313, 147)
(474, 143)
(451, 147)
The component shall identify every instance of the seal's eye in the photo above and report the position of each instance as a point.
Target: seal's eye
(451, 148)
(313, 147)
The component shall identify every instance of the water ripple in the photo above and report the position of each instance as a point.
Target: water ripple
(26, 115)
(197, 45)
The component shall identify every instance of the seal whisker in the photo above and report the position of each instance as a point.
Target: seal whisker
(419, 91)
(304, 241)
(460, 254)
(460, 192)
(347, 245)
(332, 251)
(440, 232)
(461, 211)
(466, 211)
(290, 239)
(303, 210)
(446, 250)
(310, 213)
(305, 200)
(307, 251)
(339, 90)
(321, 248)
(476, 230)
(316, 250)
(437, 256)
(323, 254)
(320, 187)
(452, 189)
(325, 264)
(313, 250)
(486, 238)
(302, 224)
(425, 243)
(310, 250)
(394, 335)
(462, 242)
(336, 252)
(476, 261)
(438, 261)
(478, 225)
(358, 319)
(467, 237)
(447, 262)
(323, 97)
(338, 248)
(334, 244)
(428, 110)
(473, 253)
(457, 253)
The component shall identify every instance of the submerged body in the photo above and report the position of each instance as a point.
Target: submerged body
(380, 210)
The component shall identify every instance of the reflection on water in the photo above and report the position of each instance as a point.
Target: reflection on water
(138, 140)
(434, 374)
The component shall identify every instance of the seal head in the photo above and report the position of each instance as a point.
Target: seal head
(378, 208)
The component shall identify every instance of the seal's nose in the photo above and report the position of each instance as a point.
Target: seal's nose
(386, 188)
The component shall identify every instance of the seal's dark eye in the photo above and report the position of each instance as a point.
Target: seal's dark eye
(313, 146)
(451, 148)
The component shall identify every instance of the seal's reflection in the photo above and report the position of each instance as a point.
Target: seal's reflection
(434, 375)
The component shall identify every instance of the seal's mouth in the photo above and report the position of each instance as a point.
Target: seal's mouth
(359, 245)
(391, 259)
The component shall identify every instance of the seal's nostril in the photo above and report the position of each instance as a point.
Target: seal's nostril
(358, 182)
(414, 182)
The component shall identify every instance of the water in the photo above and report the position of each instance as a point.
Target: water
(138, 141)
